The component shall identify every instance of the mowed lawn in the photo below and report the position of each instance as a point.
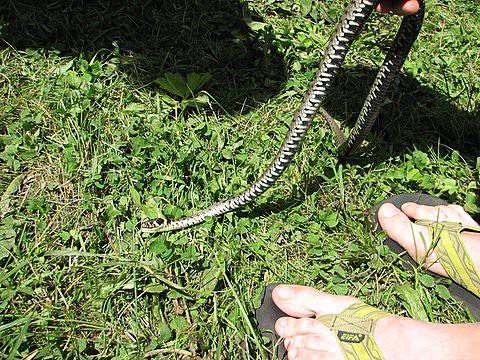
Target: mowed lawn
(113, 112)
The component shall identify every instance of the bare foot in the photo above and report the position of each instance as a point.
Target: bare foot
(415, 238)
(398, 7)
(397, 338)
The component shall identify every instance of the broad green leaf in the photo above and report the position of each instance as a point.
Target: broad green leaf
(329, 218)
(165, 332)
(155, 288)
(338, 270)
(65, 235)
(210, 278)
(420, 159)
(305, 7)
(427, 280)
(175, 84)
(443, 292)
(340, 289)
(196, 81)
(197, 102)
(81, 345)
(227, 154)
(135, 196)
(11, 190)
(174, 294)
(151, 210)
(5, 247)
(449, 185)
(179, 324)
(72, 79)
(62, 69)
(412, 302)
(134, 107)
(161, 248)
(414, 175)
(256, 25)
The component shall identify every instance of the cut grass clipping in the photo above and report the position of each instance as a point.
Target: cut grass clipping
(115, 111)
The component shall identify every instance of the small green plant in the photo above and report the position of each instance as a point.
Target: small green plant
(187, 89)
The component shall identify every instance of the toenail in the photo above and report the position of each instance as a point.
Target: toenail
(408, 204)
(288, 342)
(285, 292)
(389, 210)
(283, 323)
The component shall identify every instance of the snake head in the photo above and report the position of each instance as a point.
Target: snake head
(153, 226)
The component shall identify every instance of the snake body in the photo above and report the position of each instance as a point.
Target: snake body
(348, 29)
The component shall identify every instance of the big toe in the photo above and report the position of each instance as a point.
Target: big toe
(302, 301)
(415, 239)
(397, 225)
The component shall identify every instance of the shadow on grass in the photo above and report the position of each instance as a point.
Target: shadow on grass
(155, 37)
(415, 117)
(152, 38)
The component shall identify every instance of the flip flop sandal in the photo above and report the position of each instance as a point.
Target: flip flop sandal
(353, 328)
(449, 248)
(268, 313)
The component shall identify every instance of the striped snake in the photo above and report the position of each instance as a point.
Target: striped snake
(348, 29)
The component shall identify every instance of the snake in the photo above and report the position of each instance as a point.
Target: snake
(348, 29)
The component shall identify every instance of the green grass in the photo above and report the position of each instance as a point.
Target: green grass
(93, 140)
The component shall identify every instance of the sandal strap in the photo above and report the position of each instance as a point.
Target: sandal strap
(354, 328)
(452, 253)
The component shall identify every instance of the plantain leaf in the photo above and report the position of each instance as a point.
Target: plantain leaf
(412, 302)
(174, 83)
(196, 81)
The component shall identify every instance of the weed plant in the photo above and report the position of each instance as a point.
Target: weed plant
(117, 111)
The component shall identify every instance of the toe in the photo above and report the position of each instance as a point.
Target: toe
(434, 213)
(453, 213)
(415, 239)
(463, 216)
(313, 342)
(399, 228)
(288, 327)
(302, 301)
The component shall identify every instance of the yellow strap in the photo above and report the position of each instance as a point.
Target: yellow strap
(354, 328)
(452, 253)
